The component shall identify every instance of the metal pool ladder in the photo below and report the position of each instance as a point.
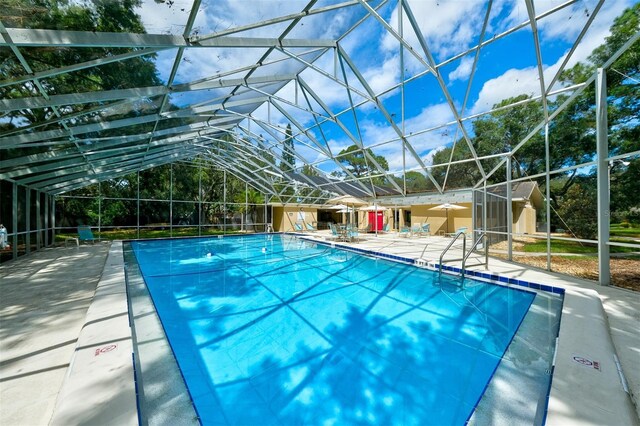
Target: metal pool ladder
(464, 245)
(483, 236)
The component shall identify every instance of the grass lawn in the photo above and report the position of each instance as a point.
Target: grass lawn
(540, 246)
(618, 231)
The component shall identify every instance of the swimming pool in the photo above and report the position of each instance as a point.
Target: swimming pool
(275, 330)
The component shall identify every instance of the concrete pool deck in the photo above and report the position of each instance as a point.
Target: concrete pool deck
(47, 323)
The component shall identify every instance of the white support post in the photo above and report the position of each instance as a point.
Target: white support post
(246, 207)
(138, 205)
(604, 267)
(47, 200)
(171, 200)
(548, 192)
(200, 199)
(15, 221)
(99, 208)
(509, 211)
(484, 213)
(404, 156)
(38, 222)
(53, 220)
(27, 235)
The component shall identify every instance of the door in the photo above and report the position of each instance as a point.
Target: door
(376, 219)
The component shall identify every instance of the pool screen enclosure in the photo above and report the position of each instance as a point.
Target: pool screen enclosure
(303, 101)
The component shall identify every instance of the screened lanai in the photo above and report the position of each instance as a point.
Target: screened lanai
(293, 103)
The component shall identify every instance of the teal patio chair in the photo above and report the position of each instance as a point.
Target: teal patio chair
(335, 234)
(462, 229)
(298, 227)
(416, 230)
(85, 234)
(310, 227)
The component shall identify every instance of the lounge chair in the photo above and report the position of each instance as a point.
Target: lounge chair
(298, 227)
(405, 231)
(386, 228)
(310, 227)
(334, 233)
(462, 229)
(85, 234)
(426, 228)
(416, 230)
(352, 234)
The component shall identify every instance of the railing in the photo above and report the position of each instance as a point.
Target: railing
(486, 252)
(464, 246)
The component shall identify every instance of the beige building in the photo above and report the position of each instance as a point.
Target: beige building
(399, 212)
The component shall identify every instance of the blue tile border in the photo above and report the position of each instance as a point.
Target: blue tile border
(493, 278)
(501, 279)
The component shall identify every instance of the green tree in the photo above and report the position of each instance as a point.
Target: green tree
(288, 162)
(415, 181)
(249, 202)
(98, 15)
(461, 175)
(500, 132)
(359, 165)
(578, 209)
(623, 90)
(308, 170)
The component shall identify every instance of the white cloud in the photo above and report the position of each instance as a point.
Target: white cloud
(448, 26)
(386, 75)
(512, 83)
(428, 159)
(462, 71)
(516, 81)
(375, 133)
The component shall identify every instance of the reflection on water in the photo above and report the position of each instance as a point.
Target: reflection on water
(280, 331)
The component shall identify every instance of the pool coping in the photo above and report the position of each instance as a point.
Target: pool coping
(100, 387)
(579, 395)
(595, 396)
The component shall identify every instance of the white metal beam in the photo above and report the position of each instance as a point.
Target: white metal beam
(23, 37)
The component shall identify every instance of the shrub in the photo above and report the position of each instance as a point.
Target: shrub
(578, 209)
(633, 216)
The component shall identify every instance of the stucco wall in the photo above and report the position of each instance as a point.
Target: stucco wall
(524, 218)
(285, 217)
(438, 218)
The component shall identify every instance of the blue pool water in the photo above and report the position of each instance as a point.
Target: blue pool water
(276, 330)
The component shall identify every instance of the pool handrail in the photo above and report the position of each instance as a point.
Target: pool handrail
(464, 249)
(482, 236)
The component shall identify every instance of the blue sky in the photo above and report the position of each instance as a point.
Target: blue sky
(506, 67)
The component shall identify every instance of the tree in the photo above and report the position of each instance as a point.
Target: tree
(99, 15)
(248, 201)
(462, 175)
(415, 181)
(288, 162)
(359, 165)
(578, 209)
(308, 170)
(623, 91)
